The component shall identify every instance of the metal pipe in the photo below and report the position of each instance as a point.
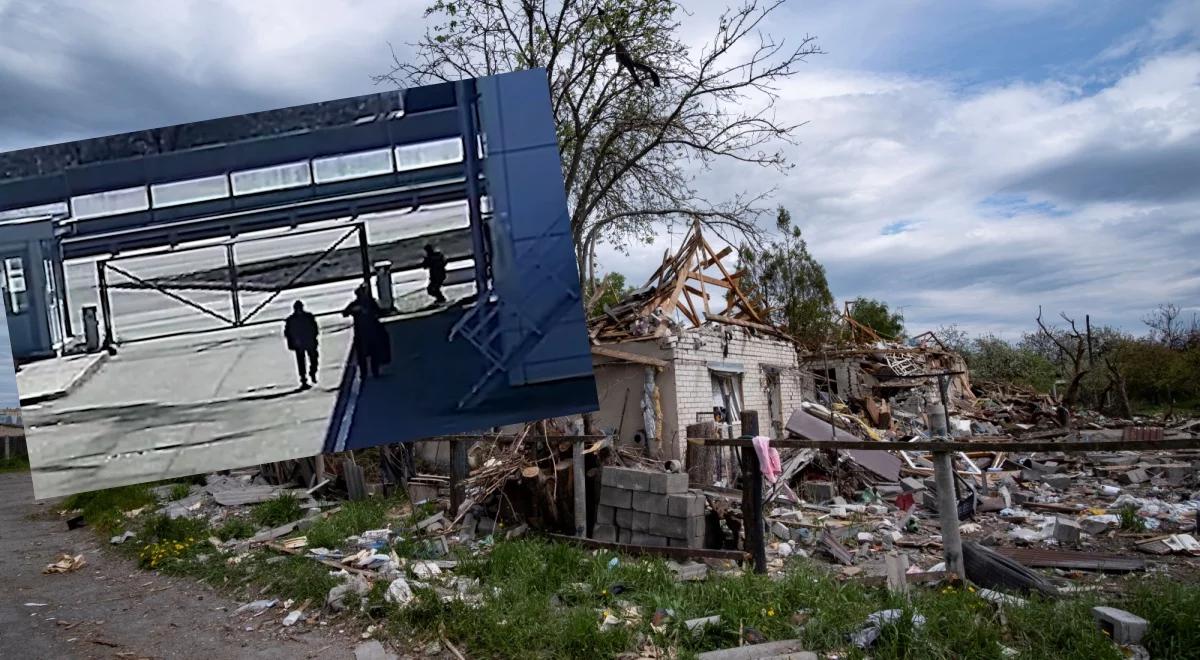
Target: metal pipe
(467, 103)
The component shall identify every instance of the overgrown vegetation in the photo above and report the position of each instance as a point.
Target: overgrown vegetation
(16, 463)
(282, 510)
(1114, 371)
(547, 600)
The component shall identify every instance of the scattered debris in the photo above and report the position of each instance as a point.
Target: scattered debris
(66, 564)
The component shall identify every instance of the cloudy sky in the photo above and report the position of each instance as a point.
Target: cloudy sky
(963, 161)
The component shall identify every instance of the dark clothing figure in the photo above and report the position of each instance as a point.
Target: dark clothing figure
(371, 345)
(301, 332)
(435, 262)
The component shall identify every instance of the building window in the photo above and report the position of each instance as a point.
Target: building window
(352, 166)
(727, 401)
(112, 202)
(827, 382)
(276, 177)
(429, 154)
(188, 192)
(16, 291)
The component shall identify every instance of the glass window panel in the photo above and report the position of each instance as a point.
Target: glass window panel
(276, 177)
(112, 202)
(429, 154)
(187, 192)
(352, 166)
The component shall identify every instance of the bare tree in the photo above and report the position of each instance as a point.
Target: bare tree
(1073, 347)
(630, 152)
(1165, 325)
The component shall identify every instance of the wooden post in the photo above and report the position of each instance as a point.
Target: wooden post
(943, 474)
(458, 474)
(580, 478)
(752, 495)
(700, 459)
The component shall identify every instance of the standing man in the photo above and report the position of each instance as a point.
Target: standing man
(301, 331)
(435, 262)
(371, 344)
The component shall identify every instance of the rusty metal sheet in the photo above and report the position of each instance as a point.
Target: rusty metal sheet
(1088, 561)
(1142, 433)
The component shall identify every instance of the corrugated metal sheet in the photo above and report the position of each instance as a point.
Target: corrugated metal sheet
(1143, 433)
(1090, 561)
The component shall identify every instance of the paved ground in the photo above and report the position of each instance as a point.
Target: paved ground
(181, 406)
(50, 379)
(110, 609)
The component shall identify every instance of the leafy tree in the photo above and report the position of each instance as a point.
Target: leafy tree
(992, 358)
(607, 291)
(789, 284)
(875, 315)
(629, 149)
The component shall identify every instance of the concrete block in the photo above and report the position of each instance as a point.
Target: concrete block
(669, 483)
(640, 538)
(1123, 627)
(782, 531)
(1066, 531)
(677, 528)
(1057, 481)
(605, 515)
(911, 484)
(616, 497)
(624, 535)
(818, 491)
(604, 533)
(888, 491)
(626, 478)
(1134, 476)
(683, 506)
(651, 502)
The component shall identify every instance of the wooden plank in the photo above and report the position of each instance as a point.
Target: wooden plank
(625, 356)
(690, 312)
(725, 252)
(979, 445)
(1088, 561)
(660, 551)
(732, 283)
(721, 318)
(705, 279)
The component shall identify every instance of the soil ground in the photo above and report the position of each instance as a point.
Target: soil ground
(111, 609)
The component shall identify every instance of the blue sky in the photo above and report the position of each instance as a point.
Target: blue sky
(965, 161)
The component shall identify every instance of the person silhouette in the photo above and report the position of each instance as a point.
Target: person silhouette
(371, 344)
(301, 331)
(435, 262)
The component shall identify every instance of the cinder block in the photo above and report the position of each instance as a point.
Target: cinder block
(616, 497)
(669, 483)
(604, 533)
(1134, 476)
(605, 515)
(651, 503)
(640, 538)
(623, 535)
(909, 483)
(1057, 481)
(635, 521)
(1066, 531)
(684, 506)
(677, 528)
(1123, 627)
(626, 478)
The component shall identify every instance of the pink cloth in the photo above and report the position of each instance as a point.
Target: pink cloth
(768, 458)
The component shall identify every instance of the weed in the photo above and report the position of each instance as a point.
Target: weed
(105, 509)
(179, 491)
(1172, 608)
(236, 528)
(279, 511)
(1130, 520)
(353, 518)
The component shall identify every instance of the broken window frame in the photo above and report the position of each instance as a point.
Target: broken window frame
(728, 386)
(16, 286)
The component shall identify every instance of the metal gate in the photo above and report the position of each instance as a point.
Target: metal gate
(266, 279)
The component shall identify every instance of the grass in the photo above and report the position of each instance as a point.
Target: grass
(282, 510)
(16, 463)
(179, 491)
(105, 509)
(1130, 520)
(353, 518)
(235, 528)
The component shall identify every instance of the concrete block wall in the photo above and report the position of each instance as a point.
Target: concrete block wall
(648, 508)
(694, 352)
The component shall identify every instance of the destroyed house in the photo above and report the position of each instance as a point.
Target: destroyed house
(656, 376)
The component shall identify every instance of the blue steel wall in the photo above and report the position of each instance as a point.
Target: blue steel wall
(534, 257)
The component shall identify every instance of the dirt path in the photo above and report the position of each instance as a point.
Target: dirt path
(110, 609)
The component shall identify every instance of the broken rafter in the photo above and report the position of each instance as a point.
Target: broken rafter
(625, 356)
